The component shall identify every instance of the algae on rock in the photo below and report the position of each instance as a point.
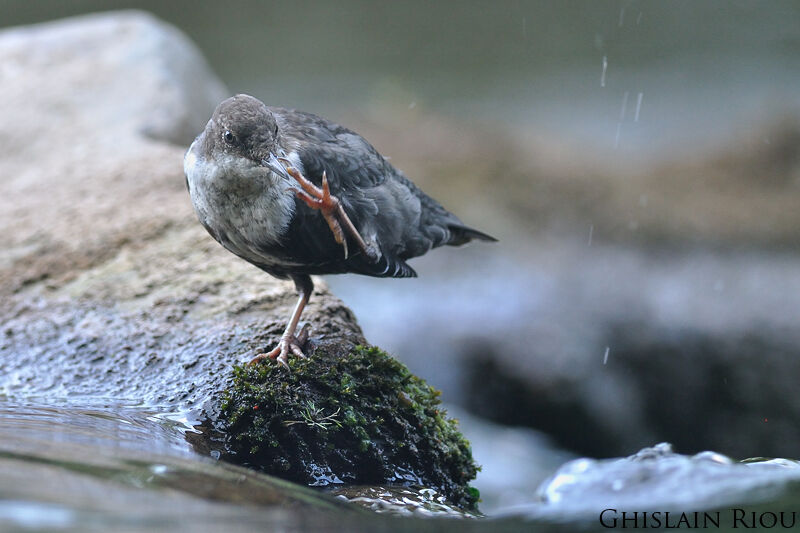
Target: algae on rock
(359, 418)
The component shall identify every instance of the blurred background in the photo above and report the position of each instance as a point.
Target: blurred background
(639, 162)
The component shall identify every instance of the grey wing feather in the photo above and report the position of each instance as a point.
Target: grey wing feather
(349, 160)
(389, 210)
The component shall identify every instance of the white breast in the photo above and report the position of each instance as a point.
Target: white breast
(245, 204)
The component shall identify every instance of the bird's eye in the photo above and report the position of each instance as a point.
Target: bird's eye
(229, 137)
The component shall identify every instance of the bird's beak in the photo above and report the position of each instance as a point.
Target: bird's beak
(275, 165)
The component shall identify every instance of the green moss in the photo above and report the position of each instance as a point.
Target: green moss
(362, 418)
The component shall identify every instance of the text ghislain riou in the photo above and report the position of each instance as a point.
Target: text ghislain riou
(737, 518)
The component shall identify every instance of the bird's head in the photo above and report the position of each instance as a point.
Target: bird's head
(242, 129)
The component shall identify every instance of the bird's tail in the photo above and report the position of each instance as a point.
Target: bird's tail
(462, 234)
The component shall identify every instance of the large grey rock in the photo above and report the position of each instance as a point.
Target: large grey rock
(88, 106)
(109, 286)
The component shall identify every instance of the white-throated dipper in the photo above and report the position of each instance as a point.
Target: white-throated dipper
(245, 174)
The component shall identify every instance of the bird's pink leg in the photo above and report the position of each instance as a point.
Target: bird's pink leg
(330, 207)
(291, 343)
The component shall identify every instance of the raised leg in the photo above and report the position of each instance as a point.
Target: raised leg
(291, 343)
(330, 207)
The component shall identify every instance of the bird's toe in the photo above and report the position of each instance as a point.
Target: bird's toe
(297, 351)
(287, 346)
(283, 359)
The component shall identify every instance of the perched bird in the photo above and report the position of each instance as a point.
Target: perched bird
(246, 174)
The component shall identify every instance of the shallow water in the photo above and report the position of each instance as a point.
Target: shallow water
(91, 465)
(113, 466)
(84, 469)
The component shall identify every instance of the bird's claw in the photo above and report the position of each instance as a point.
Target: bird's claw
(292, 344)
(330, 207)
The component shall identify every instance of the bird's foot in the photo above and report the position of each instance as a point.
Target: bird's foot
(321, 199)
(289, 344)
(330, 207)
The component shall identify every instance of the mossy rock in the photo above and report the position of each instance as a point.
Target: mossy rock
(362, 418)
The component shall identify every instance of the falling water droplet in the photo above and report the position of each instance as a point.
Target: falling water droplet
(591, 231)
(603, 75)
(605, 356)
(621, 17)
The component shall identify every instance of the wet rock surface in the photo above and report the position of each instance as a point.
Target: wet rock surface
(159, 325)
